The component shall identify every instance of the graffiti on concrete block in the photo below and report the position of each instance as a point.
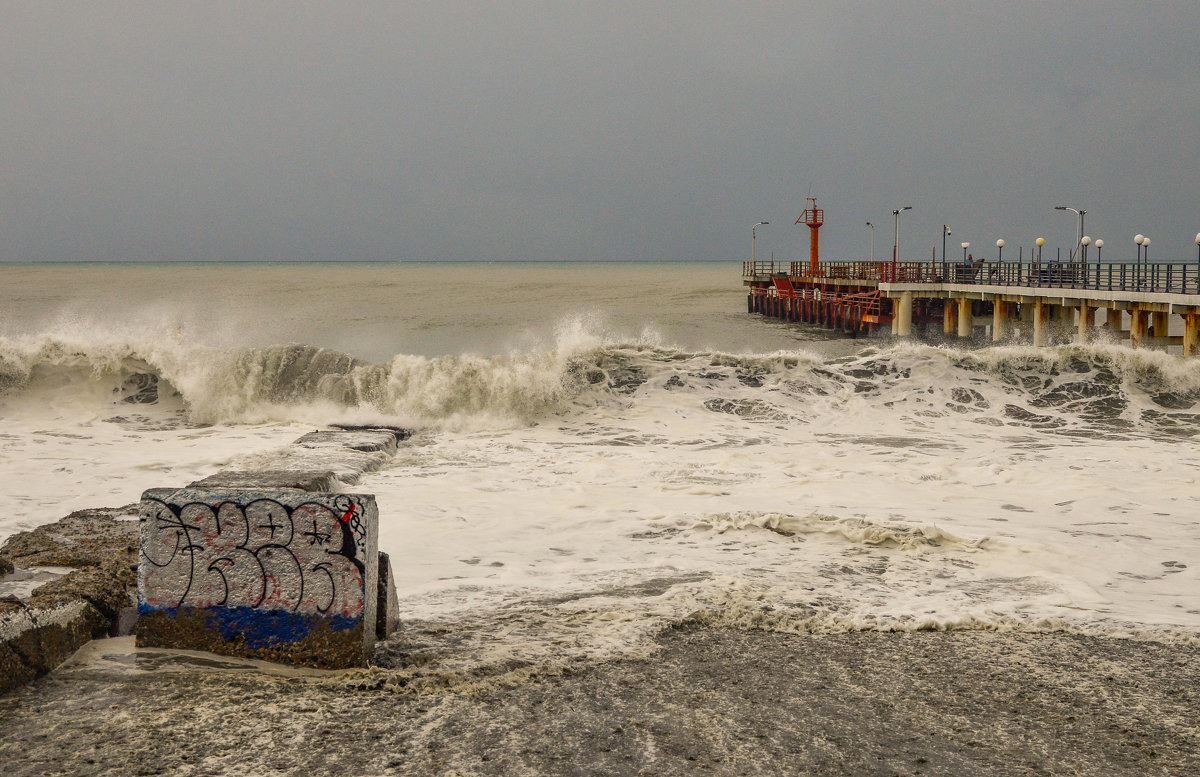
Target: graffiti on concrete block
(306, 558)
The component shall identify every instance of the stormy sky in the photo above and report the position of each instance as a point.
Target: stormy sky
(592, 130)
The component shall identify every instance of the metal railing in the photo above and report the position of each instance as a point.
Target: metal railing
(1159, 278)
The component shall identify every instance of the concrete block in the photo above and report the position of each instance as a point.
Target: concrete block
(388, 610)
(34, 639)
(280, 575)
(311, 480)
(83, 538)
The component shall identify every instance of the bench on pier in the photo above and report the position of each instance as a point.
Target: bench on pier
(1056, 275)
(964, 273)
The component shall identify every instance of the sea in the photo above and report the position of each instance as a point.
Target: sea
(602, 450)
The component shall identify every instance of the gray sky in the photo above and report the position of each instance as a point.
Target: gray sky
(592, 130)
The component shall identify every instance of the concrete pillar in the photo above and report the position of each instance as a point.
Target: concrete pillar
(1086, 317)
(999, 321)
(1112, 317)
(1054, 316)
(964, 317)
(949, 317)
(1137, 328)
(1161, 323)
(1041, 322)
(904, 316)
(1191, 334)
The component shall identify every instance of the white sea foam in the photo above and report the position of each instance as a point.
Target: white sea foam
(587, 479)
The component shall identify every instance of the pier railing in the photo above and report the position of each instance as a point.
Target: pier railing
(1159, 278)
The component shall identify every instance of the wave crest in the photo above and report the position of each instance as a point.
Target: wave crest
(855, 530)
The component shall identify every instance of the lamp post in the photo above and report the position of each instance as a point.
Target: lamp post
(1079, 234)
(1000, 250)
(872, 226)
(1084, 242)
(1041, 241)
(753, 239)
(1099, 246)
(1137, 267)
(965, 246)
(945, 232)
(896, 239)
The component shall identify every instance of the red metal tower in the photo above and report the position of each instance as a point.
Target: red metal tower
(812, 218)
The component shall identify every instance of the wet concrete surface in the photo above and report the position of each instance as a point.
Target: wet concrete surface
(707, 701)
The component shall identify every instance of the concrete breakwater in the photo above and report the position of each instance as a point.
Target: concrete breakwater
(68, 582)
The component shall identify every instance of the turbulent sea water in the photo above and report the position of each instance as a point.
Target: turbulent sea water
(604, 449)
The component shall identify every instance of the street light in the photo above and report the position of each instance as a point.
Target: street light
(1084, 242)
(1079, 236)
(1041, 241)
(872, 226)
(1000, 248)
(965, 246)
(754, 237)
(1099, 245)
(945, 231)
(1139, 239)
(896, 239)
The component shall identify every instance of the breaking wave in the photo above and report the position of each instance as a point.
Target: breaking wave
(855, 530)
(1075, 389)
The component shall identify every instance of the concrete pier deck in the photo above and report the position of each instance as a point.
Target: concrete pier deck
(1037, 302)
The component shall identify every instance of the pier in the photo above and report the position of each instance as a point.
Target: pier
(1038, 302)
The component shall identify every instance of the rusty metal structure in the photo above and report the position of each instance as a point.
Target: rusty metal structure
(812, 218)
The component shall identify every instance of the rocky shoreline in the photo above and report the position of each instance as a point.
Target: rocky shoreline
(88, 560)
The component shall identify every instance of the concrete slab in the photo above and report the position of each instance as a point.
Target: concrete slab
(312, 480)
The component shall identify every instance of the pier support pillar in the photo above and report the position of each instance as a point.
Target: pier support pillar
(1112, 319)
(1041, 322)
(1086, 318)
(1191, 334)
(1054, 321)
(964, 317)
(904, 315)
(999, 321)
(1137, 327)
(949, 317)
(1161, 324)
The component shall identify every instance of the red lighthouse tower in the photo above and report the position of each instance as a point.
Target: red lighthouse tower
(812, 218)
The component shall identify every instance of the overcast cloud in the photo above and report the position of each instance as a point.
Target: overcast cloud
(591, 130)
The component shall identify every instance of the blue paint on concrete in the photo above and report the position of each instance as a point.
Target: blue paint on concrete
(257, 628)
